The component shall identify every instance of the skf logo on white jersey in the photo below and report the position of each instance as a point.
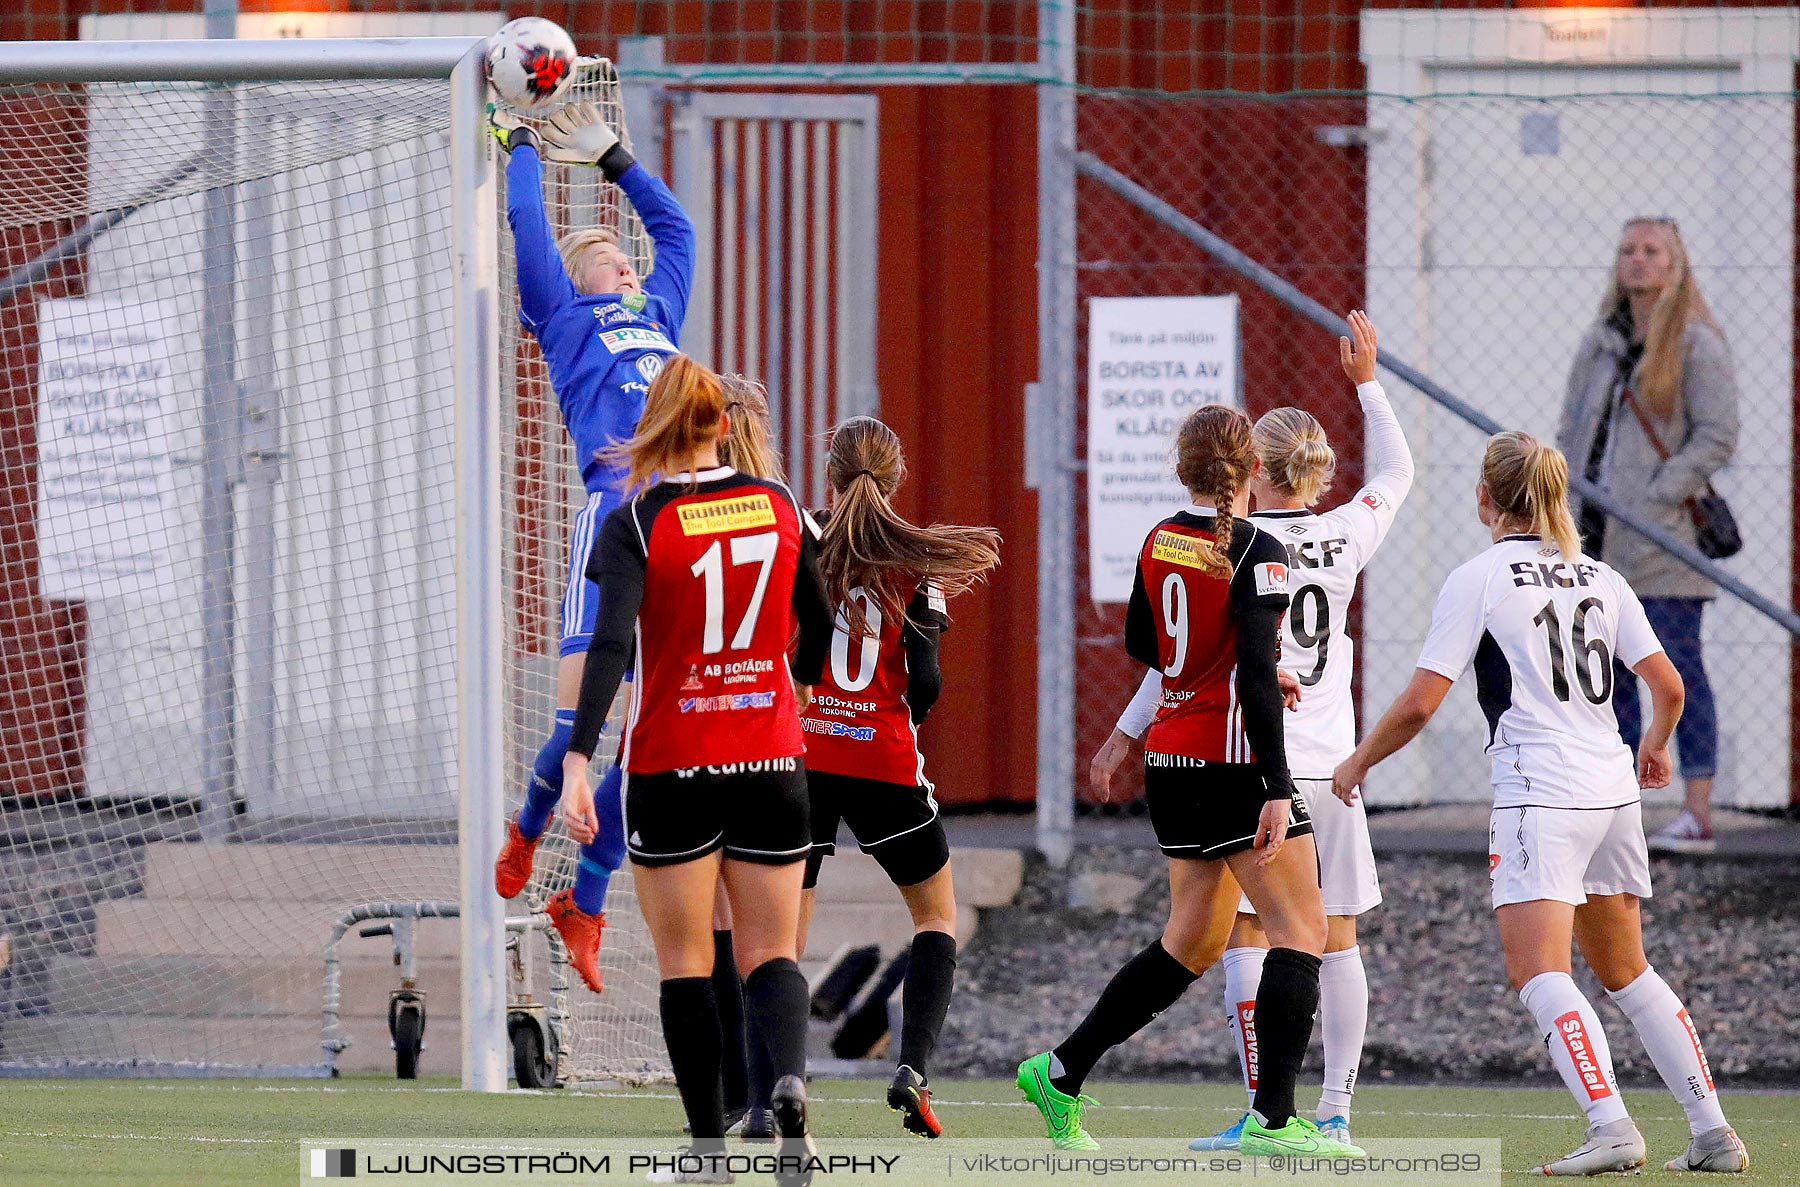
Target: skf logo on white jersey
(1271, 579)
(635, 338)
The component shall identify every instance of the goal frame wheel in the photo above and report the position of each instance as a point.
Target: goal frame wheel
(406, 1026)
(534, 1066)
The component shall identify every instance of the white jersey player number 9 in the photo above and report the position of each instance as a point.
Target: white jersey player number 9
(1311, 601)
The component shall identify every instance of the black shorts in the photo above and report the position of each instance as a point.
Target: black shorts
(754, 811)
(1207, 809)
(895, 824)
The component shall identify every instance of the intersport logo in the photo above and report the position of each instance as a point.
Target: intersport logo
(1581, 1050)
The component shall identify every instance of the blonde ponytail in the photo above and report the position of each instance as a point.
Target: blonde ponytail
(1295, 454)
(746, 446)
(1529, 481)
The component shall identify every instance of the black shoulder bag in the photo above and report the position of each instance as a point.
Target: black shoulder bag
(1715, 528)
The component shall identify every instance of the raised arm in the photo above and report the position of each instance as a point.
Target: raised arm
(1389, 476)
(672, 276)
(544, 286)
(1390, 468)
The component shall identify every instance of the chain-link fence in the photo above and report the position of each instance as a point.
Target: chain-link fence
(1480, 232)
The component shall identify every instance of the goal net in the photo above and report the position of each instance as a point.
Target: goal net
(227, 588)
(614, 1035)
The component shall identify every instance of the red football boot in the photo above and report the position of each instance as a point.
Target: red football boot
(580, 933)
(908, 1096)
(513, 869)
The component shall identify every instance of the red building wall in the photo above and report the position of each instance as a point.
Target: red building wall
(957, 330)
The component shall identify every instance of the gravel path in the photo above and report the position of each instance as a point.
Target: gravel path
(1724, 935)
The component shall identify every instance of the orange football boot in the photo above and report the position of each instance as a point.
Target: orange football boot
(580, 933)
(513, 868)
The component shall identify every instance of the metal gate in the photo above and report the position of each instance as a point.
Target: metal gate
(781, 189)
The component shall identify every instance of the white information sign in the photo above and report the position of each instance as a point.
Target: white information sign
(104, 425)
(1151, 361)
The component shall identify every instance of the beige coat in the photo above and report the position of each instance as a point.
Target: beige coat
(1701, 434)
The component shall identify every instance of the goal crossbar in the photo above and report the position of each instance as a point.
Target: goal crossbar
(294, 59)
(475, 305)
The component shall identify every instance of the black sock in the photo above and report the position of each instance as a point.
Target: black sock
(1149, 983)
(728, 991)
(690, 1021)
(1286, 1001)
(925, 998)
(776, 997)
(762, 1069)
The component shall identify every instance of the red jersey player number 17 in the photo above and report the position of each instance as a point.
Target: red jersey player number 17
(708, 573)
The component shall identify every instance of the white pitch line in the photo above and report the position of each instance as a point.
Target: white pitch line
(1021, 1104)
(145, 1137)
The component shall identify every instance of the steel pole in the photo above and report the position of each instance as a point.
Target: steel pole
(475, 254)
(1055, 419)
(222, 453)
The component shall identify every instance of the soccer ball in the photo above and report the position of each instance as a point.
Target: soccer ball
(531, 63)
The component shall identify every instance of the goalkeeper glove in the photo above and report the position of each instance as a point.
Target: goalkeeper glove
(576, 135)
(510, 130)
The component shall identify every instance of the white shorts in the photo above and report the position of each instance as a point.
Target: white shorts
(1346, 860)
(1566, 854)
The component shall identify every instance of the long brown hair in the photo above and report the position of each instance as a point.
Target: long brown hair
(867, 543)
(1295, 455)
(1665, 338)
(746, 447)
(1214, 454)
(1529, 481)
(682, 414)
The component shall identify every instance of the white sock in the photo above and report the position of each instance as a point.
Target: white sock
(1669, 1036)
(1343, 1021)
(1577, 1044)
(1243, 973)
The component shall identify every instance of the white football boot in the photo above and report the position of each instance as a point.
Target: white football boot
(1614, 1147)
(1717, 1150)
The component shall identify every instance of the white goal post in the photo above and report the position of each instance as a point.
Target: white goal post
(474, 306)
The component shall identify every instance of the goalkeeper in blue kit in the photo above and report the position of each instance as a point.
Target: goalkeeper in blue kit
(605, 334)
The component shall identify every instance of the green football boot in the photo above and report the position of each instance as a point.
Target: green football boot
(1062, 1112)
(1298, 1138)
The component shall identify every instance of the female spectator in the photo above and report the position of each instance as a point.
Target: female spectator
(1651, 414)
